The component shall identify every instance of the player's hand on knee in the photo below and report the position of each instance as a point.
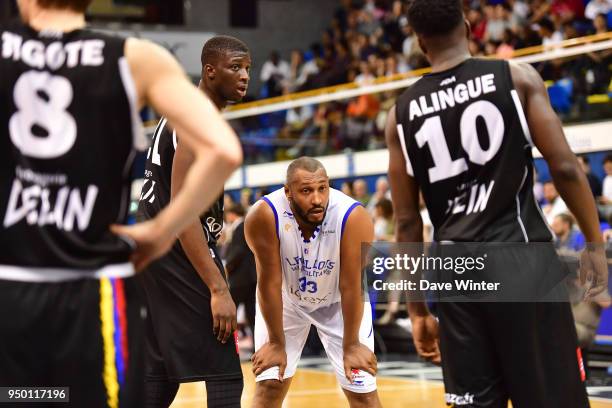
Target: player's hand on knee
(224, 314)
(594, 269)
(425, 337)
(151, 241)
(268, 356)
(358, 357)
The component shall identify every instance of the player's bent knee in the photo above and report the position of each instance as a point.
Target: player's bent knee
(363, 400)
(269, 393)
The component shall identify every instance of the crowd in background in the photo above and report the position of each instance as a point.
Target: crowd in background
(372, 38)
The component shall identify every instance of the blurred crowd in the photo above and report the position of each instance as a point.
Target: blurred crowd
(368, 39)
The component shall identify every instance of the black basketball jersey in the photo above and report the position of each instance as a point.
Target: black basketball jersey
(157, 183)
(68, 128)
(466, 141)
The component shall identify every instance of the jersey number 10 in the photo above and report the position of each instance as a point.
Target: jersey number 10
(431, 133)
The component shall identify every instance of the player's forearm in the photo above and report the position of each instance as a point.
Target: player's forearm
(574, 189)
(409, 228)
(202, 185)
(351, 299)
(271, 307)
(196, 248)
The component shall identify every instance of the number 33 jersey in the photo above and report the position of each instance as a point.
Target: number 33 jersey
(311, 267)
(465, 139)
(69, 127)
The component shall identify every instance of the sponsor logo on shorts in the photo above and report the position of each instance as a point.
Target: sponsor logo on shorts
(358, 377)
(459, 400)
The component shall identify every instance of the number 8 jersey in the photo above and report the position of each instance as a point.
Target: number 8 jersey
(69, 127)
(311, 267)
(465, 139)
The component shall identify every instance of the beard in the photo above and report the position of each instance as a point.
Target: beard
(302, 214)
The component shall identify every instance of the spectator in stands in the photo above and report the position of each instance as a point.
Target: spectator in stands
(538, 188)
(382, 192)
(498, 21)
(566, 236)
(359, 124)
(245, 198)
(605, 201)
(548, 32)
(597, 7)
(347, 188)
(360, 191)
(554, 203)
(564, 11)
(383, 220)
(274, 74)
(478, 23)
(593, 180)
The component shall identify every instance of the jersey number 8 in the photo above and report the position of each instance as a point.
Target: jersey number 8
(41, 127)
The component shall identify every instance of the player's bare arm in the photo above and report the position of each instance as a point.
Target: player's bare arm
(358, 229)
(196, 248)
(570, 180)
(409, 228)
(260, 233)
(162, 83)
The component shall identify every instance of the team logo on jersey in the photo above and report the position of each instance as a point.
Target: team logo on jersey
(448, 81)
(458, 400)
(287, 214)
(287, 227)
(214, 227)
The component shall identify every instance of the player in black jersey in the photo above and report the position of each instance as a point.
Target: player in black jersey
(192, 314)
(69, 126)
(481, 191)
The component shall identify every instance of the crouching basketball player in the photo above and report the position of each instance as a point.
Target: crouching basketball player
(307, 238)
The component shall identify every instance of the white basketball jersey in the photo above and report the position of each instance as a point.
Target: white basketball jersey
(311, 268)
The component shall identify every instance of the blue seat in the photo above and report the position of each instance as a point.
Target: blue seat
(559, 98)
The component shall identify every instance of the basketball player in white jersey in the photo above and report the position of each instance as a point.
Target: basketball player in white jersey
(307, 238)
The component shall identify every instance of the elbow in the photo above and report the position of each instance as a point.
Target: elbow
(565, 170)
(231, 153)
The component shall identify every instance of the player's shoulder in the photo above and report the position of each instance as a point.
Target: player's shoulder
(524, 75)
(261, 220)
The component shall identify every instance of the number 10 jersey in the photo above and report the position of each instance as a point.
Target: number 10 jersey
(466, 141)
(69, 127)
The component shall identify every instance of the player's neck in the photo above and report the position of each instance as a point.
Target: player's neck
(217, 100)
(56, 20)
(448, 59)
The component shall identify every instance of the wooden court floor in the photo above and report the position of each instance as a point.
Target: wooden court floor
(317, 389)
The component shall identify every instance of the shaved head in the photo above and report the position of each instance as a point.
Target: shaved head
(303, 163)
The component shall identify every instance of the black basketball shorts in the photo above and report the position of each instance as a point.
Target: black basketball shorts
(181, 345)
(84, 334)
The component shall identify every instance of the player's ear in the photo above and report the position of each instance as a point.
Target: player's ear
(287, 191)
(468, 29)
(210, 71)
